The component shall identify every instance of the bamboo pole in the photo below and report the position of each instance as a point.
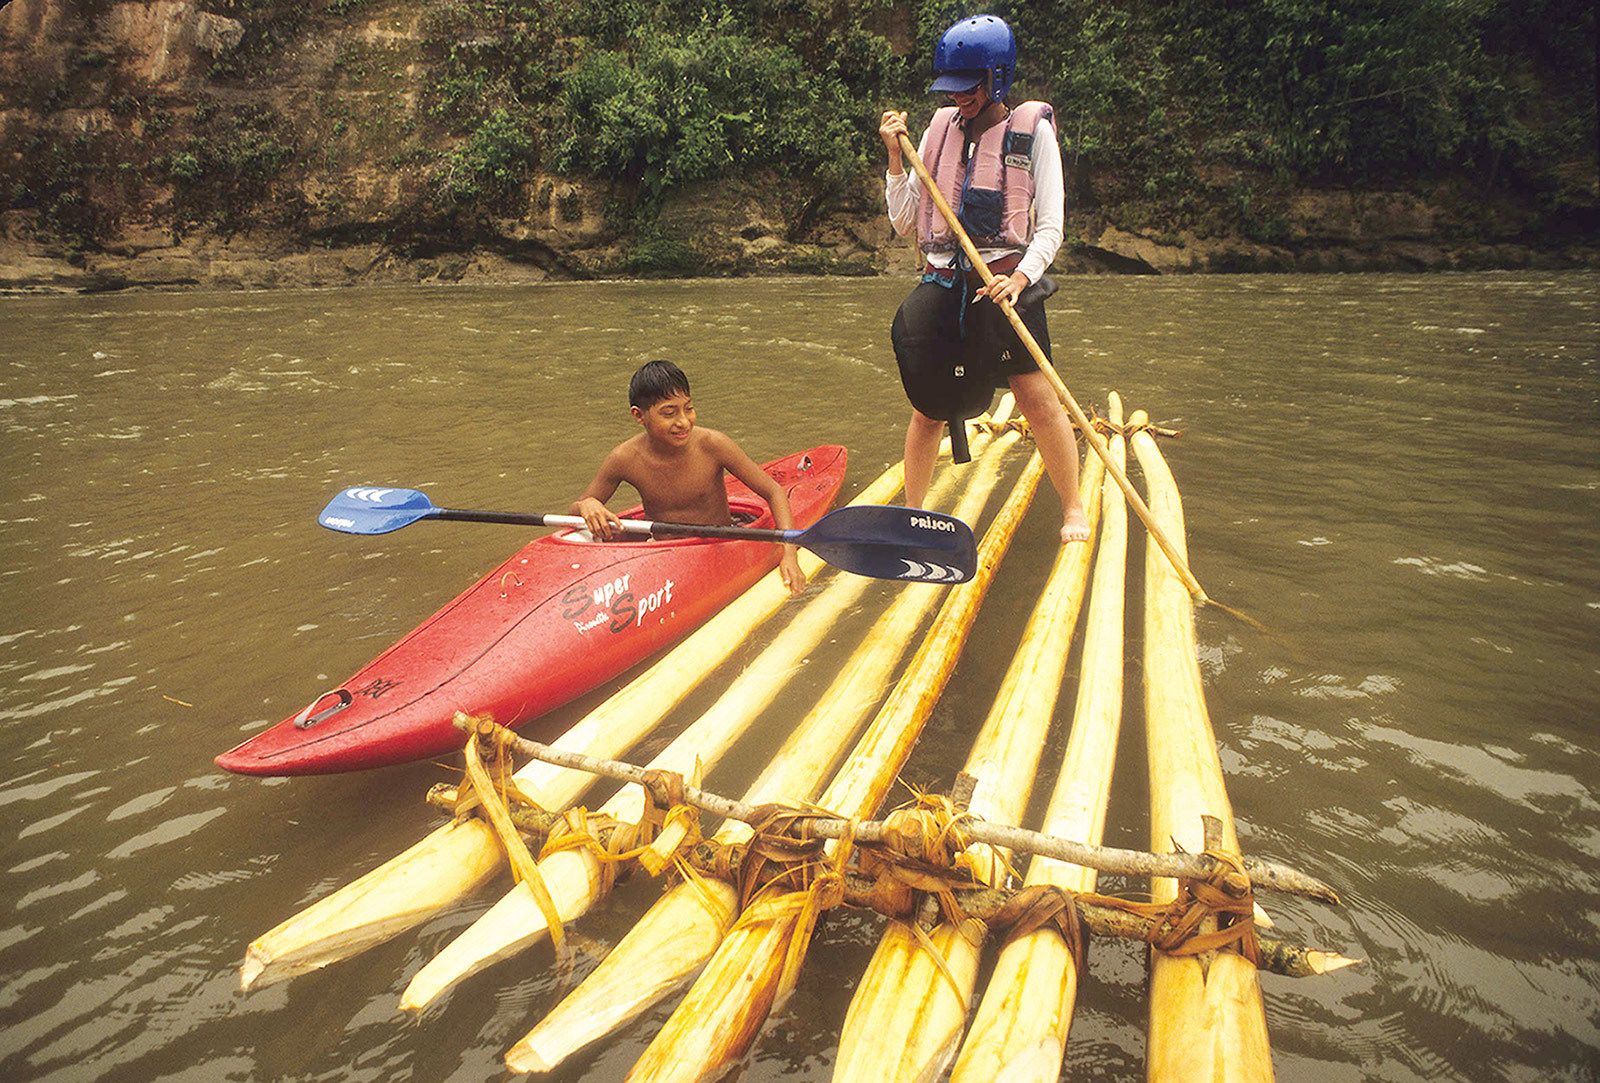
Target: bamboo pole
(1179, 560)
(906, 1018)
(1020, 1030)
(574, 878)
(1206, 1015)
(456, 859)
(679, 933)
(757, 962)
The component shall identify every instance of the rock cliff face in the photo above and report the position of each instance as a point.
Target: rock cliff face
(223, 143)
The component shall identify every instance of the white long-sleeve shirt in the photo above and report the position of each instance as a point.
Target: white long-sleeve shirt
(903, 193)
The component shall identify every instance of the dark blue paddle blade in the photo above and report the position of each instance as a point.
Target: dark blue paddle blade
(890, 542)
(371, 509)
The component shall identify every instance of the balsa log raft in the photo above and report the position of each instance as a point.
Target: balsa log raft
(906, 1017)
(1020, 1029)
(575, 879)
(680, 932)
(757, 962)
(1206, 1015)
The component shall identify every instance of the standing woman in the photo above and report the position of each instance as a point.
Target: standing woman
(1000, 169)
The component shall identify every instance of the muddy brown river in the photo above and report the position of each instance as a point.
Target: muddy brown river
(1399, 476)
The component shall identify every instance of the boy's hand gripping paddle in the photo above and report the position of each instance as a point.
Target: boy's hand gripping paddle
(884, 541)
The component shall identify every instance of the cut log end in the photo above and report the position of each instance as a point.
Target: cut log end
(526, 1060)
(1326, 962)
(251, 969)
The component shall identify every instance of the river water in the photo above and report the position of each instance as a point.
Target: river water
(1400, 476)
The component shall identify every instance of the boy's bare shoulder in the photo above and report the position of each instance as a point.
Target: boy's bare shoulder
(715, 440)
(631, 448)
(626, 456)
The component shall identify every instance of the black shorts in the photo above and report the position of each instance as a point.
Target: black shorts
(983, 339)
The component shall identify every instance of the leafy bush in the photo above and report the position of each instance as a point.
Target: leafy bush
(655, 252)
(493, 161)
(680, 109)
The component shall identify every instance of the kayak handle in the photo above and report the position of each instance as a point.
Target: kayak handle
(305, 719)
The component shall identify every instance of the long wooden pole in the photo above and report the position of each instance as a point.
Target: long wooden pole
(1207, 1020)
(1093, 438)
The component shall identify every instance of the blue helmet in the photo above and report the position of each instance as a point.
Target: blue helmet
(975, 47)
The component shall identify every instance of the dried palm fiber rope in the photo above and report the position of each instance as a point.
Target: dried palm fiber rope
(1040, 905)
(922, 845)
(1106, 427)
(930, 854)
(775, 899)
(782, 863)
(1178, 865)
(1225, 896)
(493, 804)
(623, 842)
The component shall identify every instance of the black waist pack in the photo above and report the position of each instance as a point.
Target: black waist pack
(948, 375)
(938, 376)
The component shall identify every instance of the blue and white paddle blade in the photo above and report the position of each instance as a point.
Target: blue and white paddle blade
(375, 509)
(947, 553)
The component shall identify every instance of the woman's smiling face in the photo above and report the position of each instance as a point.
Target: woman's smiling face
(969, 103)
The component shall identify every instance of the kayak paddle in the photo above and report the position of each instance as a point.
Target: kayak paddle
(884, 541)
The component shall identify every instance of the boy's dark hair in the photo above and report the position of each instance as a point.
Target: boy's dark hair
(656, 380)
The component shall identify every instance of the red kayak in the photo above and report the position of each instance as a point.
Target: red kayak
(561, 616)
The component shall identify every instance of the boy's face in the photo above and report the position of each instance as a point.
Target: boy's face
(670, 420)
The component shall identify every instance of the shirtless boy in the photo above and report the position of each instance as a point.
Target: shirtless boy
(677, 467)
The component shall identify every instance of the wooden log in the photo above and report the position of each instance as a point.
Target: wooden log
(684, 927)
(757, 962)
(1020, 1030)
(906, 1017)
(455, 860)
(1206, 1015)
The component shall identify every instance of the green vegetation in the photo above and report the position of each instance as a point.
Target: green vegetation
(58, 181)
(1184, 113)
(225, 166)
(1353, 92)
(678, 109)
(491, 164)
(665, 94)
(658, 252)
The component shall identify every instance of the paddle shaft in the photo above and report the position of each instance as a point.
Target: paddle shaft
(632, 526)
(1093, 438)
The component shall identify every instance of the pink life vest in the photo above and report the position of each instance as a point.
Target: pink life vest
(994, 199)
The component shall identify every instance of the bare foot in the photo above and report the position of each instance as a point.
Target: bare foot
(1074, 525)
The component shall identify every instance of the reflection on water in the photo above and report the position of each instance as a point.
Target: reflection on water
(1396, 474)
